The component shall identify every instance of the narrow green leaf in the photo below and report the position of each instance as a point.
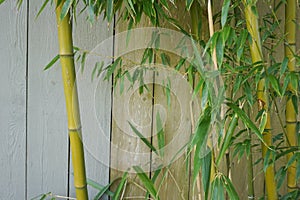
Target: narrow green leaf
(41, 9)
(284, 65)
(1, 1)
(65, 9)
(117, 194)
(263, 121)
(160, 134)
(227, 139)
(275, 84)
(225, 9)
(247, 122)
(205, 172)
(146, 182)
(109, 9)
(189, 4)
(143, 138)
(220, 50)
(83, 57)
(52, 62)
(180, 63)
(230, 188)
(102, 189)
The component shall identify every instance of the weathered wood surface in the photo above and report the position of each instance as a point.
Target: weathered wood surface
(47, 134)
(94, 99)
(13, 101)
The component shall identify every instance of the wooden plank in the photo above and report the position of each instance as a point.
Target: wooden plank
(127, 149)
(47, 125)
(94, 100)
(13, 100)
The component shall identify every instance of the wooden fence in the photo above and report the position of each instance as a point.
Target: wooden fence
(35, 156)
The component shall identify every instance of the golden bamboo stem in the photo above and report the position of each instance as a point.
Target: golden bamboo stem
(256, 55)
(290, 115)
(64, 28)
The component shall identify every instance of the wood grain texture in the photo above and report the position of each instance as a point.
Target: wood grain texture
(127, 149)
(47, 125)
(13, 101)
(94, 99)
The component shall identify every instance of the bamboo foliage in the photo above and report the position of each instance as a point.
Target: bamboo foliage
(263, 104)
(70, 89)
(291, 113)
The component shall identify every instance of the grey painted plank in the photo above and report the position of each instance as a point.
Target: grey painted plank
(47, 125)
(12, 101)
(94, 99)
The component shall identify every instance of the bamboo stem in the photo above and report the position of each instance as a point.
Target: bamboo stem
(64, 28)
(256, 55)
(290, 115)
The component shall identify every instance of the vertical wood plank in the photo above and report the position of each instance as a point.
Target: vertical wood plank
(13, 100)
(94, 99)
(127, 149)
(47, 125)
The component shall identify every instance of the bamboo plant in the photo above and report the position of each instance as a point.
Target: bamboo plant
(262, 98)
(291, 113)
(66, 54)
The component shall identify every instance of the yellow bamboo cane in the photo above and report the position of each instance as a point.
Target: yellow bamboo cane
(64, 28)
(291, 116)
(256, 55)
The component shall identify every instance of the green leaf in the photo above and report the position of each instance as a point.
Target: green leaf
(160, 134)
(280, 177)
(189, 4)
(217, 189)
(102, 189)
(1, 1)
(263, 121)
(109, 9)
(227, 139)
(220, 50)
(247, 122)
(224, 14)
(205, 172)
(52, 62)
(41, 9)
(116, 195)
(230, 188)
(83, 57)
(146, 182)
(143, 138)
(284, 65)
(274, 83)
(65, 9)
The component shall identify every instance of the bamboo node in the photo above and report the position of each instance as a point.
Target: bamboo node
(75, 129)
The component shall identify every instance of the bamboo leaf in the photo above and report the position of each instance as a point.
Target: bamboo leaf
(51, 63)
(274, 83)
(41, 9)
(102, 189)
(263, 121)
(220, 49)
(65, 9)
(116, 195)
(280, 177)
(1, 1)
(217, 189)
(206, 171)
(189, 4)
(230, 188)
(227, 139)
(160, 135)
(247, 121)
(284, 65)
(143, 138)
(83, 57)
(224, 14)
(146, 182)
(109, 9)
